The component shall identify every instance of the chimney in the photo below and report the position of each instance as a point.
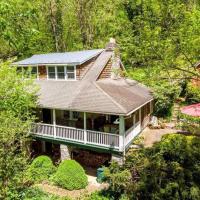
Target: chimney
(113, 47)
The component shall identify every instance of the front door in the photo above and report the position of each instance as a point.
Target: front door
(46, 116)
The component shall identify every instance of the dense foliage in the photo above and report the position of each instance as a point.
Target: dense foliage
(16, 104)
(193, 93)
(159, 44)
(189, 124)
(159, 37)
(168, 170)
(70, 175)
(40, 169)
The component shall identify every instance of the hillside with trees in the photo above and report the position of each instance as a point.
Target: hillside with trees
(159, 45)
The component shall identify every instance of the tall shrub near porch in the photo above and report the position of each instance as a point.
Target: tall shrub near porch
(17, 99)
(70, 175)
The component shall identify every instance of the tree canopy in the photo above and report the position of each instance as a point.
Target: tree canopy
(17, 101)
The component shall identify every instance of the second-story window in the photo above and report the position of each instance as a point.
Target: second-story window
(61, 72)
(51, 72)
(34, 72)
(70, 72)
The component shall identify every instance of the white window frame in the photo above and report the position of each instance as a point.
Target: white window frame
(66, 77)
(65, 71)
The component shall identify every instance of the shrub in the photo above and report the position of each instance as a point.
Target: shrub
(193, 93)
(169, 169)
(96, 196)
(70, 175)
(34, 193)
(40, 169)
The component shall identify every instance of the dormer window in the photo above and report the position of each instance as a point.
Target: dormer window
(51, 72)
(61, 72)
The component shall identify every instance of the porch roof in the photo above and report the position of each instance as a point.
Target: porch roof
(97, 97)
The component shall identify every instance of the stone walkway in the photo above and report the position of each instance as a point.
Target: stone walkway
(154, 135)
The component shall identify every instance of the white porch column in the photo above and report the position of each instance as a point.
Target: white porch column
(85, 127)
(54, 123)
(121, 133)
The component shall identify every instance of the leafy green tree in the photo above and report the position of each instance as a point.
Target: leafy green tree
(17, 99)
(168, 170)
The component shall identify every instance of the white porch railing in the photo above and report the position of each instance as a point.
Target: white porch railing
(132, 132)
(78, 135)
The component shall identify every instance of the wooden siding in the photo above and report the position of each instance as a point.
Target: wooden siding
(42, 72)
(82, 69)
(106, 72)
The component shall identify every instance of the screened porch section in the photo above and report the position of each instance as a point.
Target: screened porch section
(93, 122)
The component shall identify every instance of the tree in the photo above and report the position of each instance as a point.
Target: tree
(168, 170)
(165, 34)
(17, 101)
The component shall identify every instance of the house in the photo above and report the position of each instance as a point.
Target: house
(86, 104)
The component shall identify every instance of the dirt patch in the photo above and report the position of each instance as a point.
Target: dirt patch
(75, 194)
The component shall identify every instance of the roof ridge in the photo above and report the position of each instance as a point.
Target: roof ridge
(121, 107)
(67, 52)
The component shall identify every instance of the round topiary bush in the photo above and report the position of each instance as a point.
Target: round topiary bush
(40, 169)
(70, 175)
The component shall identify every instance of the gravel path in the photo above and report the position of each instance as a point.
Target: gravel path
(154, 135)
(75, 194)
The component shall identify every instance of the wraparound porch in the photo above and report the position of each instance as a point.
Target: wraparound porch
(113, 133)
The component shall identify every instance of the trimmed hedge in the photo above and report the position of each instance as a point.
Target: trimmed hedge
(40, 169)
(70, 175)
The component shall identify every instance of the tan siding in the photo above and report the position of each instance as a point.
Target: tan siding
(82, 69)
(42, 72)
(106, 73)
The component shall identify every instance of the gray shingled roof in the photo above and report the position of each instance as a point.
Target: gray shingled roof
(70, 58)
(103, 96)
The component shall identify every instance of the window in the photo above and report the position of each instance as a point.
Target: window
(70, 72)
(34, 72)
(61, 72)
(51, 72)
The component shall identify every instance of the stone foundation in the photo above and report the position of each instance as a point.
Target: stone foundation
(65, 152)
(117, 158)
(91, 158)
